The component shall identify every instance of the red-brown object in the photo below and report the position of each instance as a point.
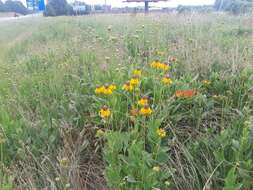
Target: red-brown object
(185, 93)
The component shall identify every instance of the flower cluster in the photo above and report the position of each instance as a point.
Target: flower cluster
(105, 89)
(144, 108)
(159, 65)
(130, 85)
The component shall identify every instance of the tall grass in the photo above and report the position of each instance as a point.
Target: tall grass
(51, 135)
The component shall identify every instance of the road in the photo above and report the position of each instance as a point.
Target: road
(3, 19)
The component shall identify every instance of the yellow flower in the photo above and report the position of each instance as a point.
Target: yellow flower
(104, 112)
(128, 87)
(113, 87)
(107, 90)
(146, 110)
(159, 65)
(164, 66)
(167, 80)
(99, 90)
(134, 81)
(161, 133)
(154, 64)
(206, 82)
(137, 72)
(156, 169)
(143, 101)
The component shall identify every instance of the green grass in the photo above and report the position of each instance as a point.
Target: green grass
(51, 135)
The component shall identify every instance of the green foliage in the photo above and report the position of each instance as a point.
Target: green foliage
(230, 180)
(51, 134)
(13, 6)
(130, 166)
(58, 8)
(234, 6)
(5, 183)
(2, 6)
(200, 9)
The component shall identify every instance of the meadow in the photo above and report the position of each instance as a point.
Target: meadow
(127, 102)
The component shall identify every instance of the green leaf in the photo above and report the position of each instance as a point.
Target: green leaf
(230, 181)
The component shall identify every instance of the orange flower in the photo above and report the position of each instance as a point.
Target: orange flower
(185, 93)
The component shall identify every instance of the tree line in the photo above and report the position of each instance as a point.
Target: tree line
(234, 6)
(61, 7)
(13, 6)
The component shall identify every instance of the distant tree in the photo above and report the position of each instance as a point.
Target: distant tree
(2, 9)
(15, 6)
(58, 8)
(234, 6)
(98, 7)
(200, 9)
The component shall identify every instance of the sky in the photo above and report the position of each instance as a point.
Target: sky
(171, 3)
